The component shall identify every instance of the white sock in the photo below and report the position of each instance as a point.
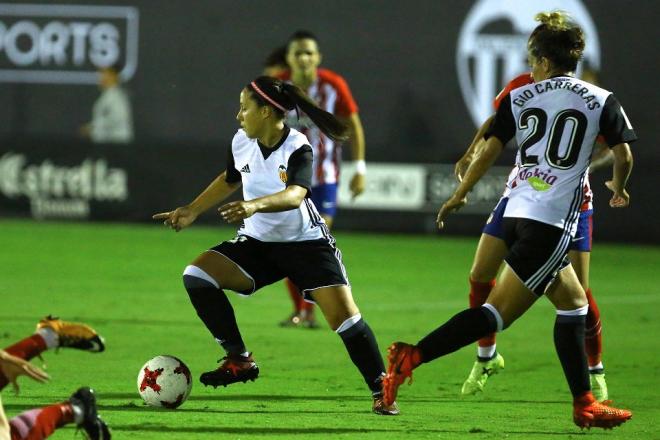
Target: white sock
(598, 366)
(486, 352)
(78, 414)
(51, 338)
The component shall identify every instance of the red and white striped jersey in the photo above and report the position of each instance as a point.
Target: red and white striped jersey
(330, 91)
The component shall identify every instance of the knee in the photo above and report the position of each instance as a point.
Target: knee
(196, 278)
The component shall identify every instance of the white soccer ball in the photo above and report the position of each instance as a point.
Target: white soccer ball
(164, 381)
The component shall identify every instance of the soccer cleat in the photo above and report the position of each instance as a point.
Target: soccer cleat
(235, 368)
(92, 425)
(402, 359)
(73, 334)
(598, 386)
(588, 413)
(481, 371)
(379, 407)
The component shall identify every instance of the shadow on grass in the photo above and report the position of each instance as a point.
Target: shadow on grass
(247, 397)
(301, 431)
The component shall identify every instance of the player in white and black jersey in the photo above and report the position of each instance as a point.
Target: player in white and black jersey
(282, 235)
(555, 122)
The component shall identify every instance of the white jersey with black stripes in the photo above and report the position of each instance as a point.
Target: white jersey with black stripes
(264, 171)
(555, 123)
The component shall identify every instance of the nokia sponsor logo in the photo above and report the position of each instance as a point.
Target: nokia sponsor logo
(66, 44)
(492, 46)
(61, 191)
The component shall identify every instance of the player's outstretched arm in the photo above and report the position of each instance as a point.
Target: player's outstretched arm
(475, 172)
(184, 216)
(358, 153)
(290, 198)
(12, 367)
(623, 163)
(473, 150)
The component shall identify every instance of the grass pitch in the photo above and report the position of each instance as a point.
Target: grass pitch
(125, 280)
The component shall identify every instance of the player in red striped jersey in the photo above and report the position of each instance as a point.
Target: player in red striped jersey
(491, 251)
(331, 92)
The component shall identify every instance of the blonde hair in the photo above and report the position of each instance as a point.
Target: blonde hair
(558, 38)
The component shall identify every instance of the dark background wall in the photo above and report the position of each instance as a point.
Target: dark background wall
(398, 57)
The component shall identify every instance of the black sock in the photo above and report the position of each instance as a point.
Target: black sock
(363, 350)
(215, 310)
(569, 342)
(464, 328)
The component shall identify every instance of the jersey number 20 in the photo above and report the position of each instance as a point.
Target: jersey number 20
(536, 116)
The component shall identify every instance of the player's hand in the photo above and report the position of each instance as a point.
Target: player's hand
(178, 219)
(453, 204)
(236, 211)
(357, 184)
(619, 199)
(461, 168)
(12, 367)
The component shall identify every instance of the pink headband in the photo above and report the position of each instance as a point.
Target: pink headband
(266, 97)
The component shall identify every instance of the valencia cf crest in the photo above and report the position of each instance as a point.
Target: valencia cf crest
(282, 172)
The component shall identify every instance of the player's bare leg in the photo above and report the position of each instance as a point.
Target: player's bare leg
(204, 280)
(344, 318)
(487, 260)
(508, 300)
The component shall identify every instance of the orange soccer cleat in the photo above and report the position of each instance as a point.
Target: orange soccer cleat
(588, 412)
(402, 359)
(73, 334)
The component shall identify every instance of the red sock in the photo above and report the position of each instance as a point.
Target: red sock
(25, 349)
(294, 293)
(478, 295)
(308, 309)
(37, 424)
(593, 343)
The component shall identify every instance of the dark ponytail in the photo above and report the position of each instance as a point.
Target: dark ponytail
(283, 97)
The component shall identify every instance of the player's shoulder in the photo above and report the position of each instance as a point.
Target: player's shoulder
(296, 139)
(240, 139)
(519, 81)
(284, 75)
(330, 76)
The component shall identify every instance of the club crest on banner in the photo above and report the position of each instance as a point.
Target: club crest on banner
(492, 46)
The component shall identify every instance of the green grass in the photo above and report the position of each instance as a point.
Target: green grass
(125, 280)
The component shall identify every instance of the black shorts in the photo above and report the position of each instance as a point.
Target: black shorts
(537, 251)
(309, 264)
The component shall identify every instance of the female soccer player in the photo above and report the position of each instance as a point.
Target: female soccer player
(330, 91)
(491, 251)
(282, 235)
(555, 122)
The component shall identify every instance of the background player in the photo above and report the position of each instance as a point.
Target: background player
(492, 249)
(539, 219)
(282, 235)
(330, 92)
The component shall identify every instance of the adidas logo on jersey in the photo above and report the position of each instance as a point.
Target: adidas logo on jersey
(245, 169)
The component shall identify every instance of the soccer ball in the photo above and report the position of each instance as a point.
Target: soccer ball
(164, 381)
